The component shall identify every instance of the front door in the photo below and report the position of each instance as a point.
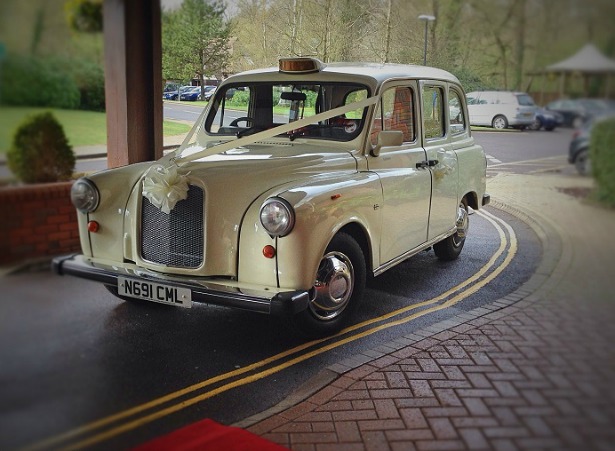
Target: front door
(406, 187)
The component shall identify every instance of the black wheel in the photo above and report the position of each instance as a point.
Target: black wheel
(248, 120)
(338, 289)
(582, 163)
(450, 248)
(536, 125)
(500, 122)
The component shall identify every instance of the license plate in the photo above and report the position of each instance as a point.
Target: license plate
(156, 292)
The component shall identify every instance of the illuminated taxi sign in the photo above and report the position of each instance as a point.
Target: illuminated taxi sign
(300, 65)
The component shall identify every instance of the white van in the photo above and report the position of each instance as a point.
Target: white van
(501, 109)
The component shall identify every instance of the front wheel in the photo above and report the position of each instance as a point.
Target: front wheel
(338, 288)
(450, 248)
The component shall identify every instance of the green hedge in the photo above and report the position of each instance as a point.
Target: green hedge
(602, 154)
(52, 82)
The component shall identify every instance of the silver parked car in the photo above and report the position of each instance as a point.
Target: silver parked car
(501, 109)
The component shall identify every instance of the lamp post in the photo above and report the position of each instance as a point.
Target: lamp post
(427, 18)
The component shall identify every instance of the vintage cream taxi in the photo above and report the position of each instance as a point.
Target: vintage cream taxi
(295, 184)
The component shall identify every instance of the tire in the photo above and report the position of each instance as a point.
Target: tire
(582, 163)
(499, 122)
(449, 248)
(536, 125)
(338, 289)
(550, 128)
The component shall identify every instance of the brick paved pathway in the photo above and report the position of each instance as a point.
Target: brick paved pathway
(520, 378)
(533, 371)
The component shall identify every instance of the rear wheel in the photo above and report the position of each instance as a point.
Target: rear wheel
(338, 288)
(450, 248)
(500, 122)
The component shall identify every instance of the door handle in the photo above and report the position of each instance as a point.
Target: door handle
(426, 164)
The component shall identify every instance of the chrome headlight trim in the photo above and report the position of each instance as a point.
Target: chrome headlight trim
(277, 217)
(84, 195)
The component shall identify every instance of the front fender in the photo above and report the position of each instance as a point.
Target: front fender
(322, 209)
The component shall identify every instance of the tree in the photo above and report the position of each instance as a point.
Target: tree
(195, 41)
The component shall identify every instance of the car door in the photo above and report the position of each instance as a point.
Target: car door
(406, 185)
(442, 161)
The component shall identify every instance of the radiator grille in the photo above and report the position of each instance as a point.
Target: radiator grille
(174, 239)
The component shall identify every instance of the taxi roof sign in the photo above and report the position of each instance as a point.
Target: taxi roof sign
(301, 65)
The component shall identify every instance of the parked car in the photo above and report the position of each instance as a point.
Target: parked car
(192, 94)
(546, 119)
(174, 95)
(208, 92)
(575, 111)
(501, 109)
(287, 210)
(578, 152)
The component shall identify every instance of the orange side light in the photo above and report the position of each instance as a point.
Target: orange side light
(93, 226)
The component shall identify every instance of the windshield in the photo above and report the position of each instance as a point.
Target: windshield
(241, 110)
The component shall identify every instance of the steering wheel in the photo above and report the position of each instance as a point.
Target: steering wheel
(247, 120)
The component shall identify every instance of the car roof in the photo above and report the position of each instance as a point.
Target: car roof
(368, 73)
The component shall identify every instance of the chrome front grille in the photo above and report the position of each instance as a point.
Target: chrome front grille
(174, 239)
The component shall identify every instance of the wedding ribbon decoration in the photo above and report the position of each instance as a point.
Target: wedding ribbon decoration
(164, 187)
(270, 133)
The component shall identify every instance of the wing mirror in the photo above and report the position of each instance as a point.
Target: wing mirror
(388, 138)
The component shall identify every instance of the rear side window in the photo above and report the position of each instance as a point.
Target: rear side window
(433, 112)
(525, 100)
(456, 116)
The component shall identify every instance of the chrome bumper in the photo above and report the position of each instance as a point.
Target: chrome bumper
(289, 302)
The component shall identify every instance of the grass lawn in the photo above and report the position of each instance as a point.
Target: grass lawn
(82, 128)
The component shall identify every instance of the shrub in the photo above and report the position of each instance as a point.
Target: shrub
(40, 152)
(35, 82)
(602, 155)
(90, 80)
(52, 82)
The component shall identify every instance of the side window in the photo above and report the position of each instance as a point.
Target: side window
(433, 112)
(395, 112)
(457, 120)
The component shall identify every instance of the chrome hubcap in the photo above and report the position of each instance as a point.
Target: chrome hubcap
(463, 224)
(333, 286)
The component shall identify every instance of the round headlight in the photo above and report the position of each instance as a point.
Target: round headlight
(84, 195)
(277, 216)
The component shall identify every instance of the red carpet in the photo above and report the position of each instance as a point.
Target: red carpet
(207, 435)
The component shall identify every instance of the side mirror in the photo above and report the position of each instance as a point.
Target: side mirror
(388, 138)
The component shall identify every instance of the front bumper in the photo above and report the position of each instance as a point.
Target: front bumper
(207, 291)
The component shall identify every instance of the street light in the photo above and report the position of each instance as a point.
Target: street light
(427, 18)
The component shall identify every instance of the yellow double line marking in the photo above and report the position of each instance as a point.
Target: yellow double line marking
(469, 286)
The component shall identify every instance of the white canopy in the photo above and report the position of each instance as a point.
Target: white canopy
(588, 60)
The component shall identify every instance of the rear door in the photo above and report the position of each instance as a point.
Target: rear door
(443, 167)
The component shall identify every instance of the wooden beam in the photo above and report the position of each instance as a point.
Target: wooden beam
(133, 80)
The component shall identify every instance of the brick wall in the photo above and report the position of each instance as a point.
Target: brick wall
(37, 221)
